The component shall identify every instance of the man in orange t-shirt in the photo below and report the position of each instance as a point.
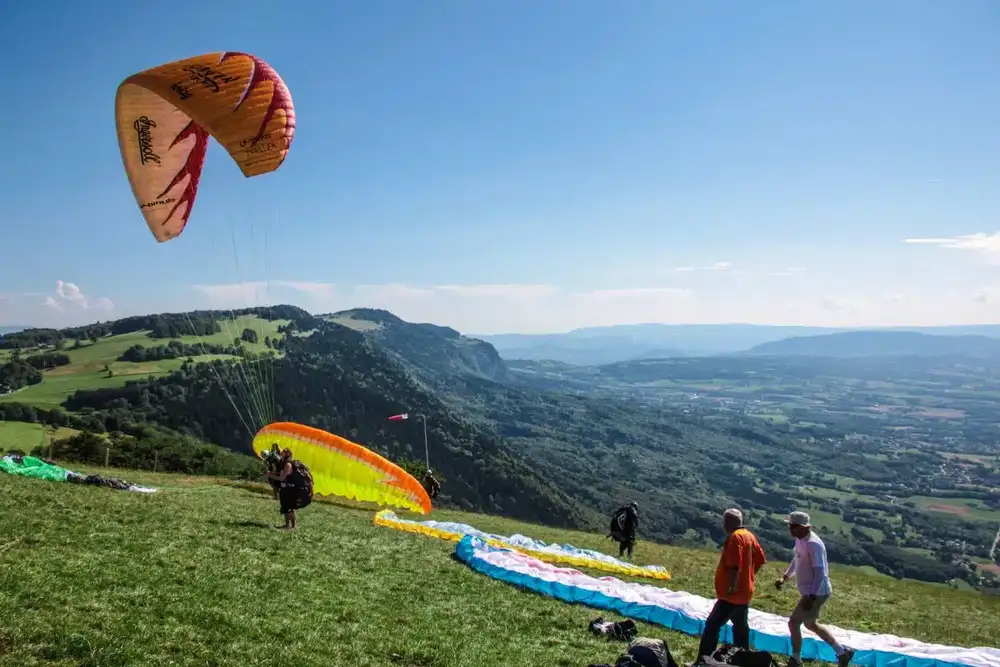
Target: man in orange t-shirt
(735, 578)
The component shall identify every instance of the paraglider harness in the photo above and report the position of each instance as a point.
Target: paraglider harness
(641, 651)
(727, 654)
(623, 524)
(272, 459)
(297, 489)
(431, 485)
(645, 652)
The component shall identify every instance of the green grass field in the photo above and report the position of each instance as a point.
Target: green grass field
(23, 436)
(196, 575)
(86, 369)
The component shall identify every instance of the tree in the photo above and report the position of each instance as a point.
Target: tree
(249, 335)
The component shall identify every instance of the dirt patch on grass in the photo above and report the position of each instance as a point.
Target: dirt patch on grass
(68, 369)
(948, 509)
(941, 413)
(137, 369)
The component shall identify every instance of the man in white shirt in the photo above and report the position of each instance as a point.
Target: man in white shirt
(811, 571)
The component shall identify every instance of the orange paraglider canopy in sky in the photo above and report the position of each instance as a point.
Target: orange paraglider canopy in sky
(166, 114)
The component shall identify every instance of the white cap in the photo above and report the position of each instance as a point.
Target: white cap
(798, 519)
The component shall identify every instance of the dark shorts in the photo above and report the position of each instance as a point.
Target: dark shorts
(293, 498)
(808, 610)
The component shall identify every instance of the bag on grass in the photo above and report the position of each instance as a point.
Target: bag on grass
(727, 654)
(621, 630)
(645, 652)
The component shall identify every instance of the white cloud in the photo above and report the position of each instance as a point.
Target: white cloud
(791, 271)
(640, 293)
(478, 308)
(714, 266)
(987, 295)
(257, 293)
(66, 305)
(837, 304)
(982, 243)
(539, 308)
(499, 291)
(70, 296)
(528, 308)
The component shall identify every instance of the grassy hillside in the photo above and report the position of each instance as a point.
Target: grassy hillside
(25, 437)
(195, 575)
(91, 361)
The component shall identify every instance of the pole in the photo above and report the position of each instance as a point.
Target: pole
(107, 455)
(156, 458)
(427, 452)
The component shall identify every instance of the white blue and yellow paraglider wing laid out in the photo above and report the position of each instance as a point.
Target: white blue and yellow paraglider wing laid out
(563, 554)
(686, 613)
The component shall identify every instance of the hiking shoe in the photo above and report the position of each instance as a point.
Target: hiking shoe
(844, 659)
(794, 662)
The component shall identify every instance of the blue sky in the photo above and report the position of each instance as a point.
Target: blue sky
(528, 166)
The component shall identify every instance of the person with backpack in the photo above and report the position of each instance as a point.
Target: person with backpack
(735, 582)
(431, 485)
(272, 462)
(624, 522)
(811, 571)
(296, 486)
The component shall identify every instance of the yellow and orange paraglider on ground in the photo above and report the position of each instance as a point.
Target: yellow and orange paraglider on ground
(165, 116)
(343, 468)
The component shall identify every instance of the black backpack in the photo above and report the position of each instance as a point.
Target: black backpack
(618, 523)
(645, 652)
(621, 630)
(741, 657)
(304, 475)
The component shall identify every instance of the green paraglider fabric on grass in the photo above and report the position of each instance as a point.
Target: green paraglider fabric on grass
(29, 466)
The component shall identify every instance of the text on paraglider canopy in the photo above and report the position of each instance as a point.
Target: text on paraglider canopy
(261, 148)
(181, 90)
(144, 135)
(257, 145)
(208, 77)
(253, 141)
(158, 202)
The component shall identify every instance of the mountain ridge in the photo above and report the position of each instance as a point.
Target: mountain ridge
(600, 345)
(882, 343)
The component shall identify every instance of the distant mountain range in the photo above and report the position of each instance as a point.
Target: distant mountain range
(881, 344)
(11, 328)
(604, 345)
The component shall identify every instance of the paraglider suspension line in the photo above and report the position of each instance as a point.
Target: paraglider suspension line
(427, 453)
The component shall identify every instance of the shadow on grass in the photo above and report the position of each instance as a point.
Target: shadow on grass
(243, 523)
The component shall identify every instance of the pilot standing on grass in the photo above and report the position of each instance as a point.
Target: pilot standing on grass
(296, 486)
(811, 571)
(735, 581)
